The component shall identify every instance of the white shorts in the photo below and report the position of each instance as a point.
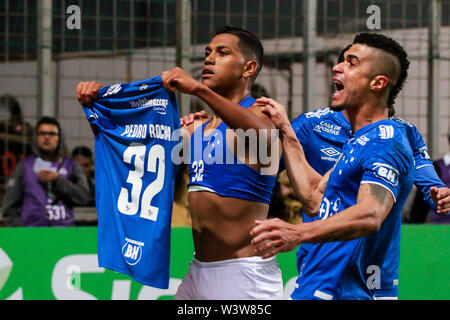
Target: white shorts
(250, 278)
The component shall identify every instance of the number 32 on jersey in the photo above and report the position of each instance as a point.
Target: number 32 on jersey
(140, 199)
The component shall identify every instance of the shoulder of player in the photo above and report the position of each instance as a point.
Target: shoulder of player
(314, 117)
(402, 121)
(389, 136)
(256, 109)
(407, 125)
(386, 130)
(194, 125)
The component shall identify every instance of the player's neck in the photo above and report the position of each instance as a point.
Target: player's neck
(236, 94)
(365, 114)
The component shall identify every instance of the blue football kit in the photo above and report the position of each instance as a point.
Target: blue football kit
(322, 134)
(133, 126)
(342, 270)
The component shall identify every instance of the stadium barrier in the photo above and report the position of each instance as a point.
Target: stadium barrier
(61, 263)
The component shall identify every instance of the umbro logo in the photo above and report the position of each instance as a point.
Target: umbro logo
(331, 154)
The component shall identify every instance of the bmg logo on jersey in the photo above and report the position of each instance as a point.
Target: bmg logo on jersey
(132, 251)
(386, 172)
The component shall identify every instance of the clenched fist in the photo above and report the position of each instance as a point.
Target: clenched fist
(87, 92)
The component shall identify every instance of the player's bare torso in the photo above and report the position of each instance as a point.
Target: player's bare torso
(221, 225)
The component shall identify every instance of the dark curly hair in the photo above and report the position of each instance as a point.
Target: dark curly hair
(379, 41)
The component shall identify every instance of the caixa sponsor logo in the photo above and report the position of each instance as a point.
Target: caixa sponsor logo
(386, 172)
(132, 251)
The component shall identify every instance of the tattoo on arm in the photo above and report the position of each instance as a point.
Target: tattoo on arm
(382, 195)
(349, 234)
(355, 227)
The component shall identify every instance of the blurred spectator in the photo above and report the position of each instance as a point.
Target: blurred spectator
(15, 135)
(45, 186)
(180, 210)
(83, 155)
(284, 203)
(11, 117)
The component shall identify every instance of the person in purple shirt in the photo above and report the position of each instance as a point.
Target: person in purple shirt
(45, 186)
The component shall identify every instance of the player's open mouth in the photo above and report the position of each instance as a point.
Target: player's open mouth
(207, 73)
(339, 88)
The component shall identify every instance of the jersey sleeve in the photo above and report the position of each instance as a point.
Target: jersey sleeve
(299, 125)
(426, 176)
(418, 146)
(389, 168)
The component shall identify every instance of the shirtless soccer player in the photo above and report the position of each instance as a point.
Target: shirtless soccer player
(228, 191)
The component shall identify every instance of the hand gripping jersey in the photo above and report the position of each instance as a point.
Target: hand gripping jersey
(133, 125)
(378, 154)
(215, 168)
(322, 134)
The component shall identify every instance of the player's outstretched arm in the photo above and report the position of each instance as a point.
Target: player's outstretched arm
(231, 113)
(87, 92)
(373, 205)
(307, 183)
(441, 198)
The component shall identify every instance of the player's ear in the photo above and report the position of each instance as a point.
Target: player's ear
(250, 68)
(379, 82)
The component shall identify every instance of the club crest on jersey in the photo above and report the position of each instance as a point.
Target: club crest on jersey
(132, 251)
(386, 172)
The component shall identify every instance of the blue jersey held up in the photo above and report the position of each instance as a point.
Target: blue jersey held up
(133, 125)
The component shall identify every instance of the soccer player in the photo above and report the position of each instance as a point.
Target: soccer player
(225, 198)
(359, 201)
(322, 134)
